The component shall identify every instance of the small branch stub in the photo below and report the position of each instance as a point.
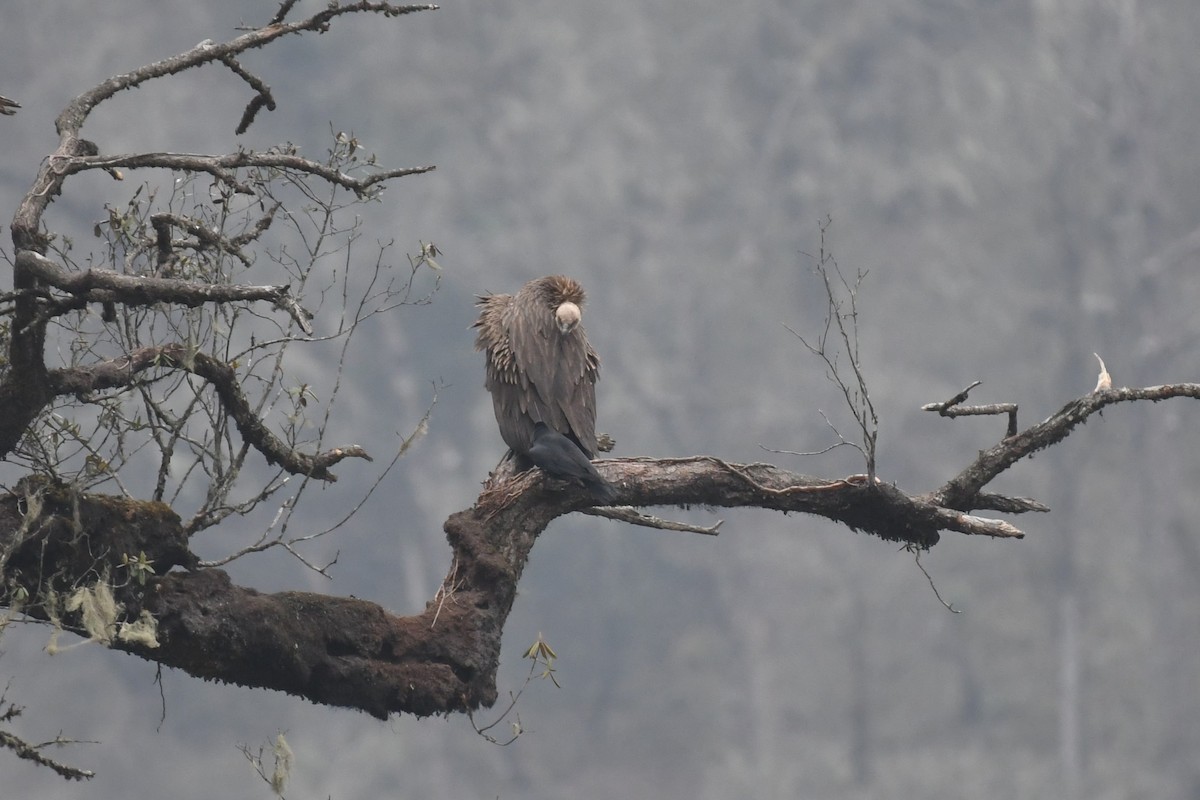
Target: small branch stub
(953, 408)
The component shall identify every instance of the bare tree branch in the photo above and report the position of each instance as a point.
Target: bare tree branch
(25, 385)
(841, 319)
(206, 237)
(1008, 505)
(285, 8)
(962, 491)
(122, 372)
(98, 285)
(73, 116)
(262, 98)
(33, 752)
(223, 167)
(953, 408)
(635, 517)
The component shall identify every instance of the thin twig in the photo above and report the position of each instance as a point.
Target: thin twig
(916, 551)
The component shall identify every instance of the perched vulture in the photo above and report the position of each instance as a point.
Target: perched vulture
(540, 367)
(560, 458)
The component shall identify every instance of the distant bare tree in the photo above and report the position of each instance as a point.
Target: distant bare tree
(170, 365)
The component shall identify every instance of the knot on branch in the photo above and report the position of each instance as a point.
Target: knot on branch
(887, 512)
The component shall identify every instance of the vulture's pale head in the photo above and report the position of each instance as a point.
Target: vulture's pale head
(567, 316)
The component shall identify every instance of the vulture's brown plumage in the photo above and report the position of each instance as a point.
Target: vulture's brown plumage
(540, 367)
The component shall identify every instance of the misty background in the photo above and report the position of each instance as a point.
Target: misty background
(1020, 179)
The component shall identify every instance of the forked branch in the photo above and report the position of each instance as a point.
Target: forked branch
(223, 168)
(25, 385)
(122, 372)
(73, 116)
(841, 324)
(98, 285)
(963, 490)
(954, 408)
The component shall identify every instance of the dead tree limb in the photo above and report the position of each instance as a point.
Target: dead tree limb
(98, 285)
(962, 492)
(224, 380)
(350, 652)
(224, 168)
(26, 387)
(954, 408)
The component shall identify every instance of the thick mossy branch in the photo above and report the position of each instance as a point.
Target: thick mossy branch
(54, 539)
(330, 650)
(350, 652)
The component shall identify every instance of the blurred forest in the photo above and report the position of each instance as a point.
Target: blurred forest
(1021, 182)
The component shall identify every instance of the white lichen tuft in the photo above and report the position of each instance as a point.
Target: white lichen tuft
(52, 611)
(283, 765)
(144, 631)
(98, 611)
(52, 648)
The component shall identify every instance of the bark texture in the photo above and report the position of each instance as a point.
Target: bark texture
(354, 653)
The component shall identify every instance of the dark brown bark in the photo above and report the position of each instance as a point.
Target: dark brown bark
(350, 652)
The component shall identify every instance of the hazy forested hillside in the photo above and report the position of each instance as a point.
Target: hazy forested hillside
(1020, 179)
